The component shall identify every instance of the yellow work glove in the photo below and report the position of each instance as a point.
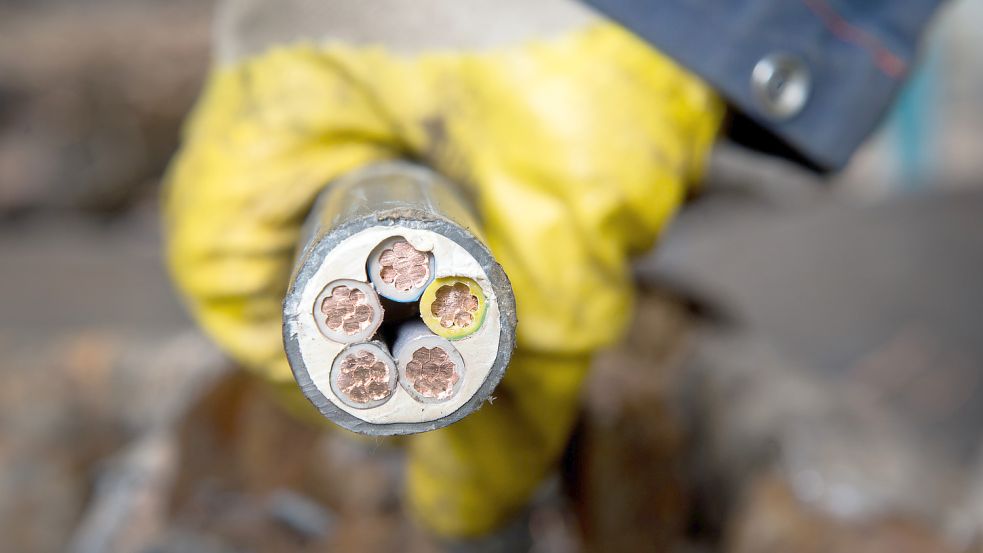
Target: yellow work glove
(577, 149)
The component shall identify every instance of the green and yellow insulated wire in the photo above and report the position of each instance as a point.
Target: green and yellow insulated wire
(453, 307)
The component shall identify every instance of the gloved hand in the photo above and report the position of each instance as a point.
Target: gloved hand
(577, 149)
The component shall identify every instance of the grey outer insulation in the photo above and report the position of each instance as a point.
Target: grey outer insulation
(393, 194)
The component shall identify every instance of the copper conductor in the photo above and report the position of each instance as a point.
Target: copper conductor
(346, 310)
(432, 373)
(455, 305)
(363, 377)
(404, 266)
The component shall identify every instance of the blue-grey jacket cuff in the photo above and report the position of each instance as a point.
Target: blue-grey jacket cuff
(842, 65)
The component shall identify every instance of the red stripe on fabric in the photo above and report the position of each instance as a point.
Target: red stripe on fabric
(887, 61)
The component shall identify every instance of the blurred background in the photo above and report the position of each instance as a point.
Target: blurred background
(804, 373)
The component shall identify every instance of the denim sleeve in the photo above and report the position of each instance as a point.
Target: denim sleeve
(855, 53)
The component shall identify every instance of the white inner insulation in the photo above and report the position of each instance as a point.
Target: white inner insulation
(348, 260)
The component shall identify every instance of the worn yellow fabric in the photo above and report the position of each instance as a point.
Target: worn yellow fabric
(577, 149)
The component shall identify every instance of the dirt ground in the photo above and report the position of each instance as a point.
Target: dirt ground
(124, 429)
